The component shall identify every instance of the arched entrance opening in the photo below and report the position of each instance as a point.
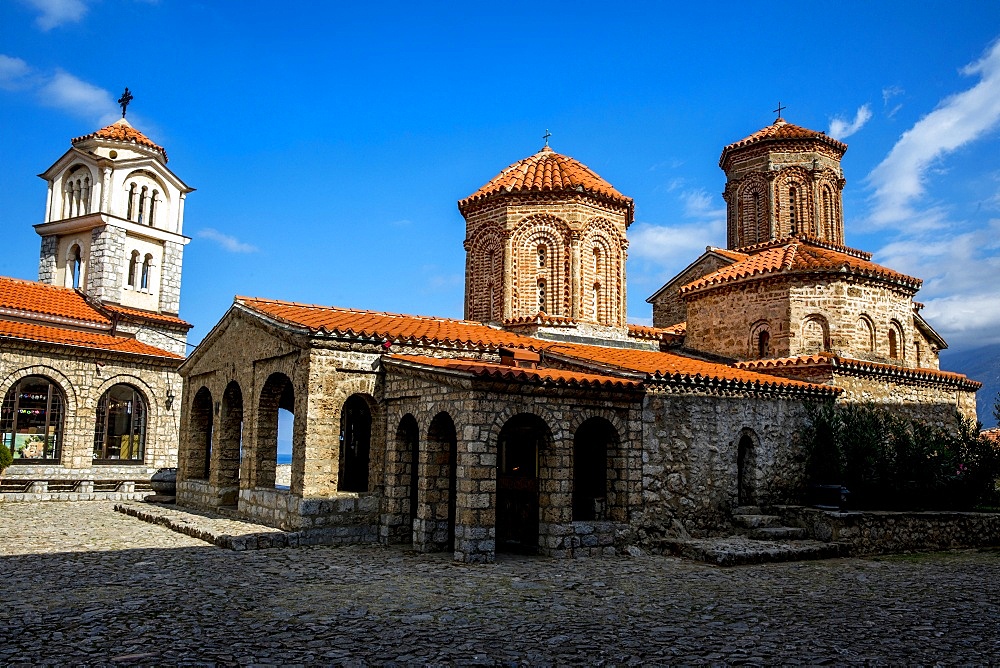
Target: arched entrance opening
(746, 468)
(276, 396)
(518, 446)
(230, 442)
(438, 483)
(408, 451)
(355, 444)
(595, 440)
(200, 435)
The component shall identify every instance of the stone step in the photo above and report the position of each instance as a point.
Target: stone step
(778, 533)
(756, 521)
(740, 550)
(748, 510)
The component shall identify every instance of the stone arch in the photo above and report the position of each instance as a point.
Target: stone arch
(524, 448)
(121, 423)
(57, 376)
(866, 333)
(896, 347)
(815, 334)
(484, 288)
(230, 443)
(33, 418)
(533, 233)
(747, 469)
(278, 392)
(200, 435)
(437, 486)
(145, 194)
(793, 190)
(77, 190)
(407, 459)
(127, 379)
(829, 212)
(760, 345)
(356, 422)
(601, 265)
(76, 265)
(753, 223)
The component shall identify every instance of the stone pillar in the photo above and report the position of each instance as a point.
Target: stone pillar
(476, 499)
(47, 260)
(170, 277)
(106, 192)
(105, 262)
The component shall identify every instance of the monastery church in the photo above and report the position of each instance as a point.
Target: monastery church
(540, 423)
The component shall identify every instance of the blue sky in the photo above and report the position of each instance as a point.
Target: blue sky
(329, 142)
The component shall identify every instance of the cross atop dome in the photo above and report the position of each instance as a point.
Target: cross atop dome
(124, 100)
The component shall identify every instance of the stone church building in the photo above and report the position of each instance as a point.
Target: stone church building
(543, 422)
(90, 351)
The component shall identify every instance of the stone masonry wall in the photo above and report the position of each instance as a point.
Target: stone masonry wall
(84, 376)
(721, 321)
(47, 260)
(170, 277)
(668, 307)
(106, 268)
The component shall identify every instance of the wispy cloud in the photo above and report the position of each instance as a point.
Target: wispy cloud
(54, 13)
(667, 244)
(842, 129)
(14, 73)
(899, 180)
(226, 241)
(67, 92)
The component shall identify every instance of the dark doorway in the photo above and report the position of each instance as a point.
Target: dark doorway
(408, 447)
(355, 444)
(517, 483)
(442, 470)
(746, 465)
(593, 441)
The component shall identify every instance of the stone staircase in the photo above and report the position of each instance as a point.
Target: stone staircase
(761, 538)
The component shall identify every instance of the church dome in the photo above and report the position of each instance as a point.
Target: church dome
(546, 172)
(122, 131)
(782, 131)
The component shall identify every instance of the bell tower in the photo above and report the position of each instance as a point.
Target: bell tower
(114, 220)
(781, 181)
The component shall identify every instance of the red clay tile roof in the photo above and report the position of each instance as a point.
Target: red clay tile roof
(129, 312)
(848, 363)
(796, 255)
(657, 333)
(547, 171)
(97, 341)
(393, 326)
(782, 130)
(992, 434)
(123, 131)
(50, 301)
(535, 376)
(540, 318)
(674, 368)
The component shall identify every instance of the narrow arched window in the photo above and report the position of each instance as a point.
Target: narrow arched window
(541, 257)
(764, 344)
(75, 267)
(131, 201)
(133, 269)
(147, 263)
(31, 419)
(541, 296)
(792, 213)
(120, 432)
(596, 301)
(828, 214)
(86, 195)
(893, 343)
(142, 204)
(597, 262)
(491, 295)
(152, 206)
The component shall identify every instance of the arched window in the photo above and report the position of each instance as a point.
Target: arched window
(597, 261)
(131, 201)
(541, 256)
(541, 295)
(596, 301)
(85, 197)
(31, 419)
(355, 444)
(75, 267)
(792, 212)
(133, 269)
(866, 334)
(142, 205)
(895, 341)
(815, 334)
(152, 206)
(147, 264)
(121, 425)
(828, 214)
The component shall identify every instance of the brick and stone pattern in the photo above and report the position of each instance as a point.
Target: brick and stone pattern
(106, 269)
(84, 376)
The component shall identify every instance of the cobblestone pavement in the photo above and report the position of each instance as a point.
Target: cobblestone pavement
(83, 585)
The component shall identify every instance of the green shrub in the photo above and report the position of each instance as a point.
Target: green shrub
(6, 458)
(888, 461)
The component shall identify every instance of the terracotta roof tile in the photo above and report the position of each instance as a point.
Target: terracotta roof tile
(123, 131)
(146, 315)
(781, 130)
(547, 171)
(672, 367)
(394, 326)
(539, 376)
(657, 333)
(835, 361)
(68, 337)
(49, 301)
(798, 256)
(540, 318)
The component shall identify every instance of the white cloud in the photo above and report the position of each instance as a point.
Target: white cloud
(890, 92)
(54, 13)
(65, 91)
(842, 129)
(666, 244)
(228, 242)
(14, 73)
(899, 180)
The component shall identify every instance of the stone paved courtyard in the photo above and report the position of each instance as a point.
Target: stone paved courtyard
(81, 584)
